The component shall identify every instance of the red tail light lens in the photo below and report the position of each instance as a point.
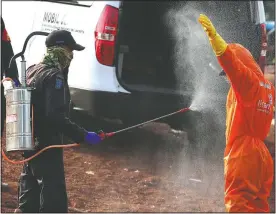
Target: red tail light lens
(105, 35)
(262, 59)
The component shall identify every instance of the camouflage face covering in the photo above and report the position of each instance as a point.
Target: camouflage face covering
(57, 57)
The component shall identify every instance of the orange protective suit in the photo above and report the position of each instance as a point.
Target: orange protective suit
(247, 161)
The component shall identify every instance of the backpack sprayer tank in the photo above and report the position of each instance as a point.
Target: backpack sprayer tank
(19, 114)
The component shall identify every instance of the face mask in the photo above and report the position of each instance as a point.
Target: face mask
(58, 57)
(70, 55)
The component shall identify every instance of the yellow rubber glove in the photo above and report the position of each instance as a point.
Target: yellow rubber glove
(218, 44)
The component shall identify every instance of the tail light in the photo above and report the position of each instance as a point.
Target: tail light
(105, 35)
(262, 58)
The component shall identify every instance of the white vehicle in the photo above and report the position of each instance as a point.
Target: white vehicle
(134, 66)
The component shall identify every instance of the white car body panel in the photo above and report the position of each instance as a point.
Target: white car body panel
(85, 71)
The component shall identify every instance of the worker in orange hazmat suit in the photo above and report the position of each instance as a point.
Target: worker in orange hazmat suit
(248, 165)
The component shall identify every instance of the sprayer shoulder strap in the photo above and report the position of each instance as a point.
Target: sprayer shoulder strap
(41, 73)
(32, 74)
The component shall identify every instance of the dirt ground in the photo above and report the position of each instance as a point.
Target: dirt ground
(149, 169)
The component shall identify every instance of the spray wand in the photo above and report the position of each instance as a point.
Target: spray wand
(105, 135)
(101, 134)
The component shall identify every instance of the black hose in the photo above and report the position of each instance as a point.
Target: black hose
(36, 33)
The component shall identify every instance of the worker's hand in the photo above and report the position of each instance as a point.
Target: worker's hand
(16, 82)
(92, 138)
(7, 85)
(10, 84)
(218, 44)
(207, 26)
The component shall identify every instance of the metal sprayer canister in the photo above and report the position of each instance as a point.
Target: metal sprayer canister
(19, 120)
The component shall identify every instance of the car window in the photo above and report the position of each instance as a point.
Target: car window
(269, 7)
(270, 18)
(270, 54)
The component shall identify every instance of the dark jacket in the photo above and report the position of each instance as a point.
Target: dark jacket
(7, 54)
(51, 100)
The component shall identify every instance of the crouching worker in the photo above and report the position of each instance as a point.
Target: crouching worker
(42, 182)
(248, 165)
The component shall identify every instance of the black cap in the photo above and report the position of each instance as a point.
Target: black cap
(62, 37)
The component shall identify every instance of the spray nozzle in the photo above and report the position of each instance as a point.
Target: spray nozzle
(184, 109)
(101, 134)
